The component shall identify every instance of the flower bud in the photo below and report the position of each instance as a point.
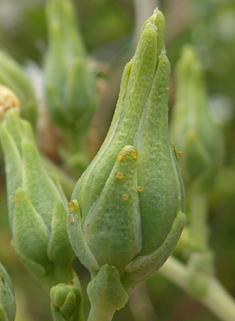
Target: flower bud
(36, 204)
(13, 76)
(8, 100)
(69, 84)
(67, 301)
(128, 203)
(7, 299)
(192, 127)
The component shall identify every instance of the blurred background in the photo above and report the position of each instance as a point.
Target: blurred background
(110, 29)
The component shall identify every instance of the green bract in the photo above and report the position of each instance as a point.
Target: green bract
(67, 301)
(127, 206)
(7, 300)
(192, 128)
(13, 76)
(69, 84)
(36, 204)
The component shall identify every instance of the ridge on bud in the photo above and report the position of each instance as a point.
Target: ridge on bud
(129, 201)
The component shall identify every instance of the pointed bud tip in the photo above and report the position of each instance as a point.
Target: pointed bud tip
(157, 19)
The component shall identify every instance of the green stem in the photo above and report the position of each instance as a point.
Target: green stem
(140, 304)
(217, 299)
(99, 314)
(74, 153)
(198, 212)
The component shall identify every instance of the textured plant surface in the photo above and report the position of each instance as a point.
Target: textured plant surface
(123, 219)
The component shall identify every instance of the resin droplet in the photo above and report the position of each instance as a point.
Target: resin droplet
(125, 196)
(180, 153)
(70, 218)
(119, 175)
(140, 188)
(71, 206)
(14, 198)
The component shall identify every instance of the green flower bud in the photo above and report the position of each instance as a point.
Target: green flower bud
(192, 127)
(13, 76)
(67, 302)
(127, 206)
(37, 206)
(69, 84)
(7, 299)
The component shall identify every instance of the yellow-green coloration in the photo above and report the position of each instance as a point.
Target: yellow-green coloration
(120, 156)
(7, 300)
(13, 76)
(37, 206)
(119, 175)
(191, 126)
(131, 225)
(71, 218)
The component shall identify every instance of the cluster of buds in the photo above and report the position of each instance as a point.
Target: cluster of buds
(126, 212)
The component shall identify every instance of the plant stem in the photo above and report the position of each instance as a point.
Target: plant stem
(217, 299)
(198, 210)
(99, 314)
(140, 304)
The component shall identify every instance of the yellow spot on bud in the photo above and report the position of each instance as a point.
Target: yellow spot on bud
(180, 153)
(14, 198)
(128, 150)
(8, 100)
(120, 156)
(70, 218)
(133, 153)
(125, 196)
(119, 175)
(140, 188)
(71, 206)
